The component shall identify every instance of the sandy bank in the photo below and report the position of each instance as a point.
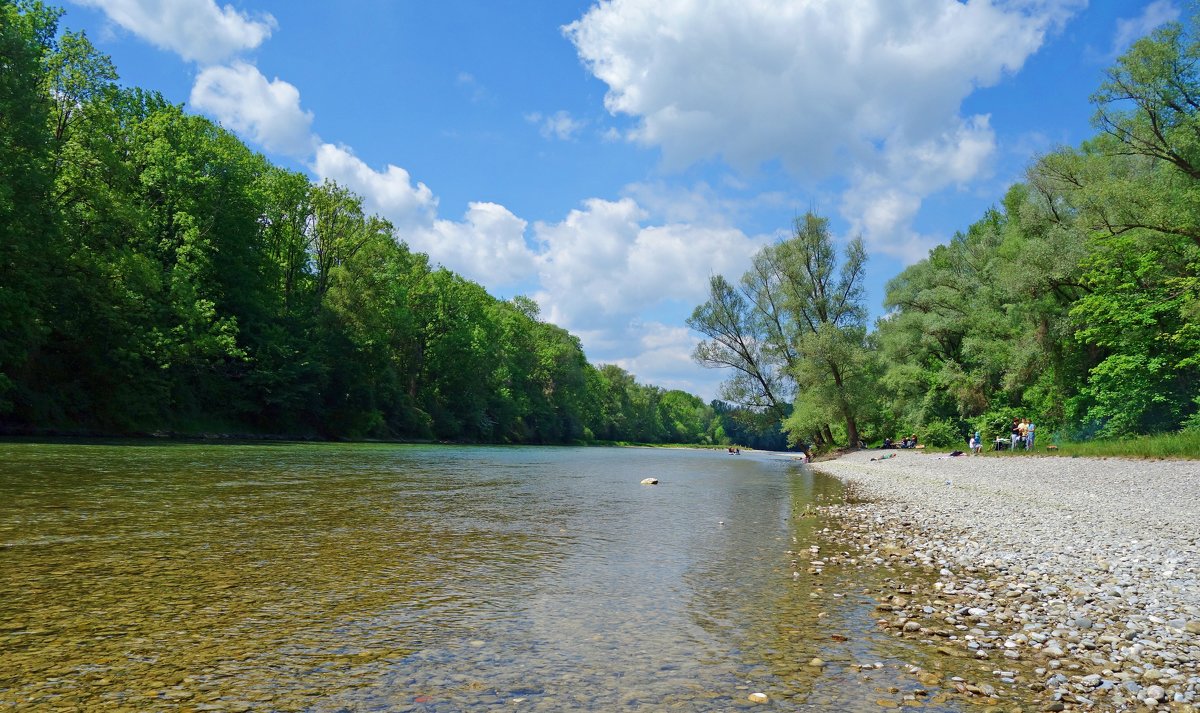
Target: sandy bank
(1090, 568)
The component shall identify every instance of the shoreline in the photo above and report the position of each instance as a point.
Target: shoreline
(1087, 568)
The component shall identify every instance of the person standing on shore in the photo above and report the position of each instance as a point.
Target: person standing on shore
(1016, 434)
(1028, 435)
(1022, 429)
(978, 443)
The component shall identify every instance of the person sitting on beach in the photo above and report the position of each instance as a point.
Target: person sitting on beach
(888, 442)
(904, 443)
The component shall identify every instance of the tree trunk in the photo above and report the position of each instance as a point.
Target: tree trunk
(828, 435)
(851, 429)
(847, 412)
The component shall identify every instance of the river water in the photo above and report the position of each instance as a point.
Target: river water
(422, 578)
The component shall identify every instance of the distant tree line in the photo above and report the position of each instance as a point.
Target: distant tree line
(1075, 303)
(158, 275)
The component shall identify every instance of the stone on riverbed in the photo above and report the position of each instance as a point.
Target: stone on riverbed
(1039, 562)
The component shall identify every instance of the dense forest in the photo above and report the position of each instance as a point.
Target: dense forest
(1076, 302)
(156, 275)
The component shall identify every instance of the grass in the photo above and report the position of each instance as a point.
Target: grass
(1182, 445)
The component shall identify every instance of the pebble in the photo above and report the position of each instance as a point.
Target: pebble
(1038, 558)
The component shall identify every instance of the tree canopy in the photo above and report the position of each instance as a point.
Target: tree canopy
(158, 275)
(1076, 302)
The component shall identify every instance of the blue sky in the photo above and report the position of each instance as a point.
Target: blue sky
(607, 158)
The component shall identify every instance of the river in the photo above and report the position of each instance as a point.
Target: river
(374, 577)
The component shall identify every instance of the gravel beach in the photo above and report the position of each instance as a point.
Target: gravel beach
(1089, 569)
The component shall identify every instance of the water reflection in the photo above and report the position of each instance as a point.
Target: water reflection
(378, 577)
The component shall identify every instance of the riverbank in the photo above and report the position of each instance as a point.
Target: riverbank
(1088, 568)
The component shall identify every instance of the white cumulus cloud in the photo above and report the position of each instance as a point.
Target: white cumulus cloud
(197, 30)
(266, 112)
(606, 262)
(883, 199)
(819, 85)
(610, 264)
(389, 192)
(487, 245)
(664, 358)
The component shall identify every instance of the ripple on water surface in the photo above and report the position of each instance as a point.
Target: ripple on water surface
(378, 577)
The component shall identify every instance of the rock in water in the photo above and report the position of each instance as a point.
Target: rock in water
(650, 481)
(758, 698)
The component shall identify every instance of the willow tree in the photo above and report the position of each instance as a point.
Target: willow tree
(738, 340)
(794, 328)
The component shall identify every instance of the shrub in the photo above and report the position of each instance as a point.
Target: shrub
(942, 434)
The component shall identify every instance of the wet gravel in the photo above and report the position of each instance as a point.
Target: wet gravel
(1089, 569)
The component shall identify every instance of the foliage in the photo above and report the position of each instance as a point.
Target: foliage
(752, 428)
(28, 251)
(156, 274)
(793, 327)
(943, 434)
(1076, 302)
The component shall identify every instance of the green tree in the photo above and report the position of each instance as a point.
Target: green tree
(824, 304)
(27, 246)
(796, 327)
(686, 417)
(737, 340)
(1134, 192)
(155, 273)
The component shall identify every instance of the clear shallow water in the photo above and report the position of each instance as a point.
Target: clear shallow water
(394, 578)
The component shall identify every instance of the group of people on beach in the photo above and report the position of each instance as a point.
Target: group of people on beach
(1021, 433)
